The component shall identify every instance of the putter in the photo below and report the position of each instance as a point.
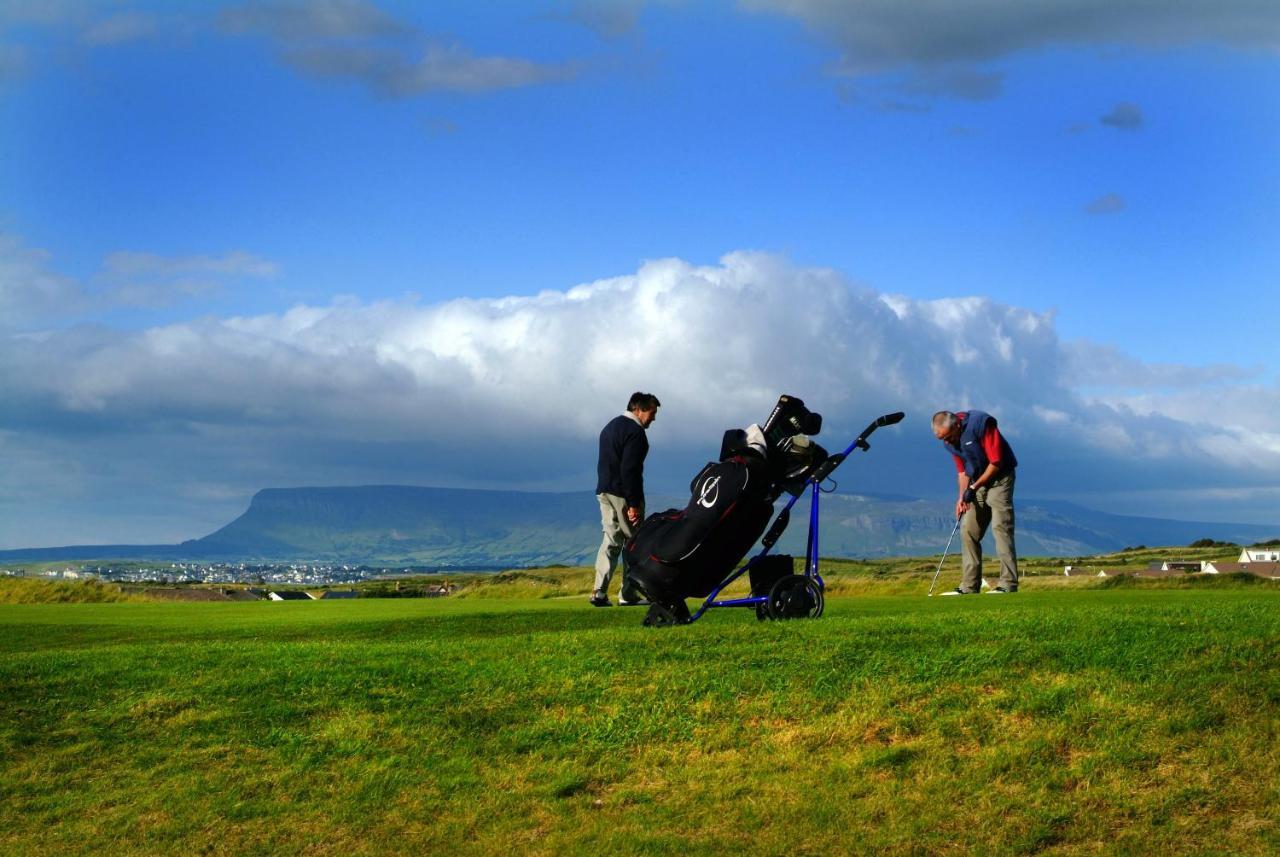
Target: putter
(944, 555)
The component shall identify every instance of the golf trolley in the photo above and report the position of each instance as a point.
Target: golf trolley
(694, 553)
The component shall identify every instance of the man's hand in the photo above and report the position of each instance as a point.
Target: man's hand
(633, 515)
(969, 495)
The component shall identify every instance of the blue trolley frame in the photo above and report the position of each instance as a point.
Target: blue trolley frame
(814, 483)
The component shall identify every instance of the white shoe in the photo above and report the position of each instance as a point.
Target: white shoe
(958, 592)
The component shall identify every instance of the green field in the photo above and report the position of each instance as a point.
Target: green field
(1064, 719)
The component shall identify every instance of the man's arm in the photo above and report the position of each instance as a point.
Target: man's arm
(991, 446)
(962, 485)
(634, 451)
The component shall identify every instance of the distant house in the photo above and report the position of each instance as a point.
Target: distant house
(1259, 555)
(331, 594)
(1269, 570)
(288, 595)
(1188, 566)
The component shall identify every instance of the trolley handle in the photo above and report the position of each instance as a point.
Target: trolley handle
(860, 442)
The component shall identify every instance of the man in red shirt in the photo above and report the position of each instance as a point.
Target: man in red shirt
(985, 467)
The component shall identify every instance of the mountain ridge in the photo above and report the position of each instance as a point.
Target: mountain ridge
(479, 528)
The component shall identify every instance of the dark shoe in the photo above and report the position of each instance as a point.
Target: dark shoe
(599, 599)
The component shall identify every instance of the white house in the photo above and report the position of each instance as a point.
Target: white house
(1259, 555)
(1258, 569)
(288, 595)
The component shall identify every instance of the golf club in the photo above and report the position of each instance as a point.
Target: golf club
(944, 555)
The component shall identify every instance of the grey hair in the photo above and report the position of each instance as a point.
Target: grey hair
(944, 420)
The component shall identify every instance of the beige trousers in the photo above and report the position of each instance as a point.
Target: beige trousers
(992, 508)
(617, 529)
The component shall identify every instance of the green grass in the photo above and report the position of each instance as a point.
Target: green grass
(1060, 720)
(19, 590)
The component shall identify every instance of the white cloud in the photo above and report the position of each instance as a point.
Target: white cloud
(511, 392)
(29, 290)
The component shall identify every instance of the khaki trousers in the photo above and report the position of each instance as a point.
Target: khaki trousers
(617, 529)
(992, 508)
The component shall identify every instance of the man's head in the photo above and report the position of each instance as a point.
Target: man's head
(645, 407)
(946, 427)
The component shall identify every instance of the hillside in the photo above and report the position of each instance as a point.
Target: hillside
(461, 528)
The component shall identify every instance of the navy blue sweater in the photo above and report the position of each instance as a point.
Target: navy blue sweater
(623, 447)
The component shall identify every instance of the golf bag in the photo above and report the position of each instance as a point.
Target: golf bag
(686, 553)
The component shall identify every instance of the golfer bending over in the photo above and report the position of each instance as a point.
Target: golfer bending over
(985, 469)
(620, 490)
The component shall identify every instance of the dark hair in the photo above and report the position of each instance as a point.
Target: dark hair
(643, 402)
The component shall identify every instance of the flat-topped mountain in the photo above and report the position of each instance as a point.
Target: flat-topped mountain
(466, 528)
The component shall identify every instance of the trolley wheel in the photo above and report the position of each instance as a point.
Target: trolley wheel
(762, 612)
(795, 597)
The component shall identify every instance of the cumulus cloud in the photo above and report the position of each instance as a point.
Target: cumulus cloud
(876, 37)
(512, 391)
(352, 39)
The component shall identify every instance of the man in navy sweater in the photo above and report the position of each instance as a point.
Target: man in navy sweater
(620, 490)
(985, 467)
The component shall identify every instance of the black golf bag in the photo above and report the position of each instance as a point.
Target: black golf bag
(685, 553)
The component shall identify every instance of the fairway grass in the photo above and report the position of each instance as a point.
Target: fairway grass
(1053, 721)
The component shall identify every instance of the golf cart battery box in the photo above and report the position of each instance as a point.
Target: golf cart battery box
(768, 570)
(789, 418)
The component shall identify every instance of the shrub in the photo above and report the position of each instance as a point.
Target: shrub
(1210, 543)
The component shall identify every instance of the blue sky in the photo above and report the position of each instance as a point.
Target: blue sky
(270, 244)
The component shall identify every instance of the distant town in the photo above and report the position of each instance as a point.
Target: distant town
(243, 573)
